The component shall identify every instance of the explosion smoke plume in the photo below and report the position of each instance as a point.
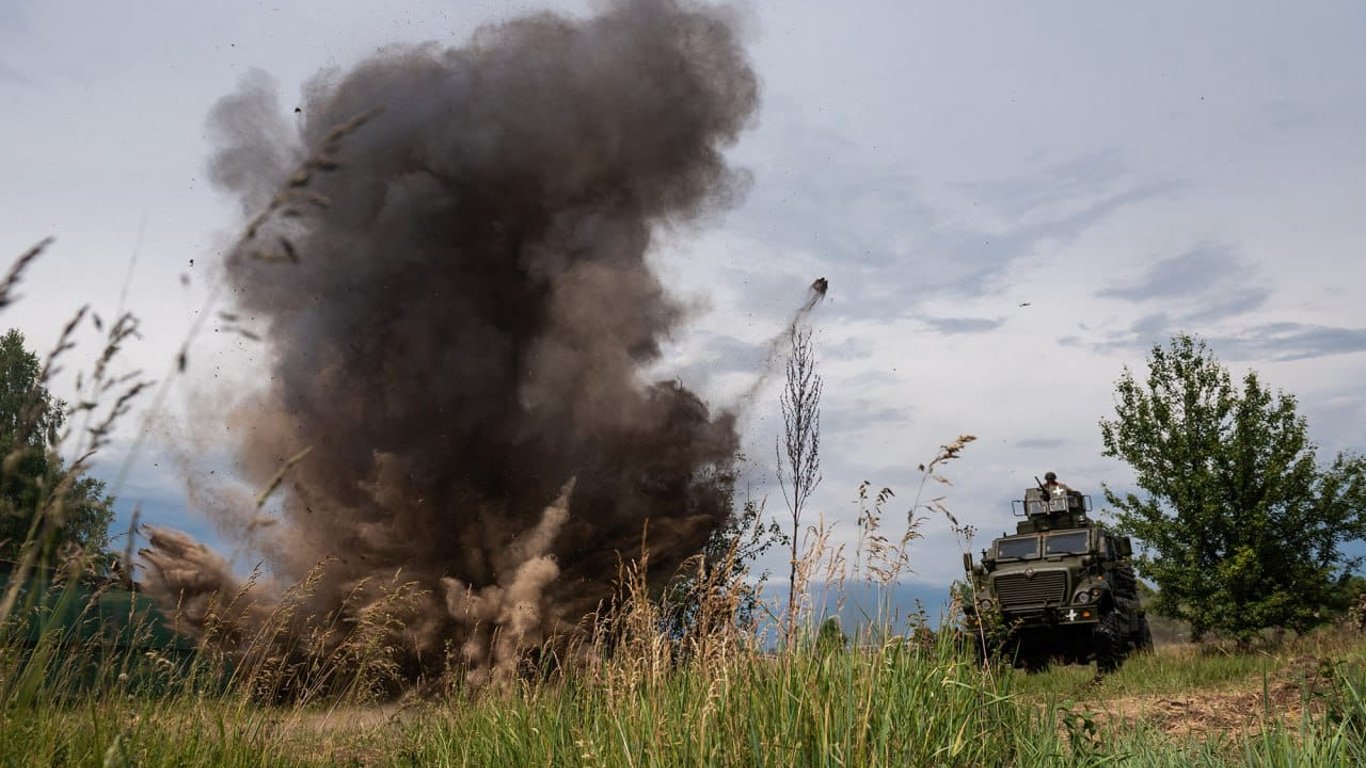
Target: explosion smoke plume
(460, 338)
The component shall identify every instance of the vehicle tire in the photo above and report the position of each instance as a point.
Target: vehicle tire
(1143, 639)
(1110, 643)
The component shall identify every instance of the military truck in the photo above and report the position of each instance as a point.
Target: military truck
(1062, 588)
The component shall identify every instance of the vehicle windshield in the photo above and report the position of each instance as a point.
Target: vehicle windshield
(1008, 549)
(1073, 543)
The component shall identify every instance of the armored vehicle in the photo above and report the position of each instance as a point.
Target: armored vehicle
(1061, 588)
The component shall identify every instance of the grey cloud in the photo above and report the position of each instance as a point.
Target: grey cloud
(1335, 420)
(727, 355)
(1290, 341)
(1269, 341)
(721, 355)
(1208, 283)
(1286, 117)
(1188, 274)
(976, 257)
(1060, 184)
(1237, 302)
(848, 417)
(956, 325)
(863, 412)
(13, 76)
(14, 18)
(1153, 324)
(890, 243)
(1054, 204)
(1041, 443)
(848, 348)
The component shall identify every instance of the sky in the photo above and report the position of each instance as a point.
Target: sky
(1011, 202)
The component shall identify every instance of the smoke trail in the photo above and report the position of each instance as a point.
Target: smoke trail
(774, 347)
(460, 338)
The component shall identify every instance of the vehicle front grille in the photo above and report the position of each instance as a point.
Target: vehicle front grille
(1043, 587)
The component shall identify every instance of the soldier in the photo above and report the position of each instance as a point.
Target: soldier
(1052, 486)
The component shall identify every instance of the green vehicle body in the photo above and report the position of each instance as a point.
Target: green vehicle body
(1061, 588)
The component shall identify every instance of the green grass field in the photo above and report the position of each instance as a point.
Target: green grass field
(892, 704)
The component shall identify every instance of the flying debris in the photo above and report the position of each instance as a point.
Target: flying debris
(813, 297)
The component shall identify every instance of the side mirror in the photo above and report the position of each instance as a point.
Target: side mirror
(1126, 549)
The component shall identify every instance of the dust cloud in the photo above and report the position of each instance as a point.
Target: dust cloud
(459, 332)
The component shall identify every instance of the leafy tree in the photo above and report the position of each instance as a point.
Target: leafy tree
(40, 500)
(1241, 525)
(713, 592)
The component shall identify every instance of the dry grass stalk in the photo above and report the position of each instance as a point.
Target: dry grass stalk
(279, 476)
(882, 560)
(931, 471)
(15, 275)
(818, 561)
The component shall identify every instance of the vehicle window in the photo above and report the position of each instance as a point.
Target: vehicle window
(1017, 548)
(1067, 543)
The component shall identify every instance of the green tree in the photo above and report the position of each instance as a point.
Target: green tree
(713, 592)
(40, 500)
(1242, 527)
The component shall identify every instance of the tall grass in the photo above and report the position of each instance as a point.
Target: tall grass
(65, 699)
(897, 704)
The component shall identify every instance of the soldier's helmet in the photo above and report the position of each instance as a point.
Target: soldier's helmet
(1049, 476)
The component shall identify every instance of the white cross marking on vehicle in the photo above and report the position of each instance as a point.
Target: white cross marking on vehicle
(1072, 615)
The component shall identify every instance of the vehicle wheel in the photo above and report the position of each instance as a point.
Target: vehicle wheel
(1035, 663)
(1110, 644)
(1143, 640)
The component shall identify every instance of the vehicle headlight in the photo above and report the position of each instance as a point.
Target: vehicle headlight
(985, 605)
(1086, 595)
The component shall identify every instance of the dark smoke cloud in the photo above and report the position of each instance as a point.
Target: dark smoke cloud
(460, 340)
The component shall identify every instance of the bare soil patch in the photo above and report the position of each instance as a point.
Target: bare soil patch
(1246, 708)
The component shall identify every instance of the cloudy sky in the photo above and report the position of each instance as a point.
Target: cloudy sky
(1011, 203)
